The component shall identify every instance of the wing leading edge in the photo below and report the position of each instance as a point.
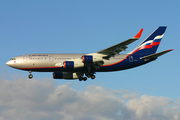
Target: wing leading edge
(113, 50)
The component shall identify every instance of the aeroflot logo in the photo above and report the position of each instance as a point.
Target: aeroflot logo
(38, 55)
(157, 39)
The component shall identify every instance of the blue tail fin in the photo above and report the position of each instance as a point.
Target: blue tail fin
(151, 43)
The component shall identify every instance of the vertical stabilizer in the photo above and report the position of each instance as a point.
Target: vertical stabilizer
(151, 43)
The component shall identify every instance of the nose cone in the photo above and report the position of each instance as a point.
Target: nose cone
(10, 63)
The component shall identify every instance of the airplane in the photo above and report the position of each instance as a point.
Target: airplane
(83, 66)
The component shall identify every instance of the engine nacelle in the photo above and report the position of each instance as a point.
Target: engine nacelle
(91, 58)
(73, 64)
(64, 75)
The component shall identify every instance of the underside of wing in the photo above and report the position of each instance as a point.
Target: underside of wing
(113, 50)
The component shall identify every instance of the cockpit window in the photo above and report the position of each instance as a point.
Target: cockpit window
(13, 58)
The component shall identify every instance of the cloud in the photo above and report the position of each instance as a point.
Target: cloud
(24, 99)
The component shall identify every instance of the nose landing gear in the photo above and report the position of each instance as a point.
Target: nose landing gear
(30, 75)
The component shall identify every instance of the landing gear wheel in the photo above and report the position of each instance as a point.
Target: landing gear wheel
(30, 76)
(88, 75)
(85, 78)
(81, 78)
(93, 77)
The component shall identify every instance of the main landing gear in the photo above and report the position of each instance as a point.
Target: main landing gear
(92, 76)
(83, 78)
(90, 72)
(30, 75)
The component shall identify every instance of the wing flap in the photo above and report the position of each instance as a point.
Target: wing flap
(156, 55)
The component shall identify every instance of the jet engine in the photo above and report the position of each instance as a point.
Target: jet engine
(73, 64)
(64, 75)
(91, 58)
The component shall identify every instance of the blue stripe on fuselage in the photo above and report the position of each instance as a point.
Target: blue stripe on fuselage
(125, 64)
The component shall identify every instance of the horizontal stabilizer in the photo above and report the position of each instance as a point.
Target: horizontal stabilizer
(153, 56)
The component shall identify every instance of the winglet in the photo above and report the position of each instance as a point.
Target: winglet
(139, 34)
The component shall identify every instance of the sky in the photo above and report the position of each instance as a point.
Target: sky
(147, 92)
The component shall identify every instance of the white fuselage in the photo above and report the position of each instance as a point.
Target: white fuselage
(51, 60)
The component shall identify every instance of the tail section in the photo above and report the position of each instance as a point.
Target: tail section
(151, 43)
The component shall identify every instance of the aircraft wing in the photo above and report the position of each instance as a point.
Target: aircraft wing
(156, 55)
(113, 50)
